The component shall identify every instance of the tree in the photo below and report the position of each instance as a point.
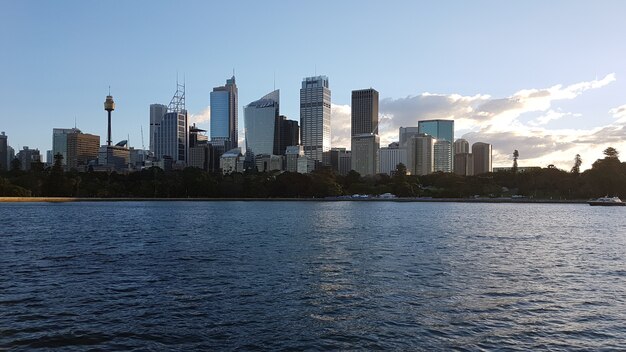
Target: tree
(16, 164)
(577, 162)
(515, 156)
(611, 152)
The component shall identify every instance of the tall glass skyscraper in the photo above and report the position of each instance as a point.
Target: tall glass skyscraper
(440, 130)
(315, 116)
(168, 128)
(260, 118)
(157, 111)
(224, 114)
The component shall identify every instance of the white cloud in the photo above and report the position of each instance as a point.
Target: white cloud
(497, 121)
(203, 117)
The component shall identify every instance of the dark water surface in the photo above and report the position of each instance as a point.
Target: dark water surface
(312, 276)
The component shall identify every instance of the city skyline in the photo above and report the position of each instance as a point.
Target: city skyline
(553, 90)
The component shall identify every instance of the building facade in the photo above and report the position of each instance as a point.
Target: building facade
(464, 164)
(364, 131)
(405, 134)
(4, 152)
(421, 154)
(390, 157)
(461, 146)
(482, 153)
(157, 112)
(224, 120)
(365, 149)
(260, 119)
(59, 143)
(288, 134)
(443, 156)
(315, 117)
(440, 130)
(27, 157)
(81, 149)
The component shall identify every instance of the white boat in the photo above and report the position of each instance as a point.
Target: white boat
(606, 201)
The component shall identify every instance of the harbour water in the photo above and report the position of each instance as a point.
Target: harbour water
(312, 276)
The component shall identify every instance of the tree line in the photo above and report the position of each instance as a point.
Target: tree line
(607, 176)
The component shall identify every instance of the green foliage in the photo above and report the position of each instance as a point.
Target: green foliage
(606, 177)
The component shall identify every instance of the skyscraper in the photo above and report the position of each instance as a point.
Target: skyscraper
(440, 130)
(260, 118)
(420, 154)
(364, 131)
(27, 157)
(224, 114)
(157, 111)
(170, 133)
(81, 149)
(59, 142)
(461, 146)
(482, 158)
(364, 111)
(4, 152)
(315, 116)
(288, 134)
(443, 155)
(464, 164)
(390, 157)
(405, 134)
(365, 153)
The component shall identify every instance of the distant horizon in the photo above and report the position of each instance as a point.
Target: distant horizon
(542, 78)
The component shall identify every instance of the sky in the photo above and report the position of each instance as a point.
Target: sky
(547, 78)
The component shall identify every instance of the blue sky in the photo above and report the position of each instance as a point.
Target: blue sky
(58, 59)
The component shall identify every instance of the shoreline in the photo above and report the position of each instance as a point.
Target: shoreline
(409, 200)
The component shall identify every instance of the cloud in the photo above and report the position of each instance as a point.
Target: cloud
(340, 123)
(203, 117)
(503, 122)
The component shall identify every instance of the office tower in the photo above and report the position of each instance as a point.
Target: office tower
(4, 152)
(315, 117)
(170, 134)
(364, 131)
(224, 114)
(49, 158)
(364, 112)
(27, 157)
(267, 162)
(59, 143)
(390, 157)
(345, 162)
(365, 154)
(443, 155)
(405, 134)
(138, 157)
(464, 164)
(231, 161)
(157, 111)
(461, 146)
(440, 130)
(11, 156)
(292, 154)
(482, 158)
(260, 118)
(420, 154)
(81, 149)
(201, 152)
(113, 157)
(288, 134)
